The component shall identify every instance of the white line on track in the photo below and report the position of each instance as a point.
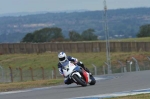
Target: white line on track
(19, 91)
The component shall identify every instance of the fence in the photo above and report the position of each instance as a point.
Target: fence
(30, 74)
(11, 74)
(9, 48)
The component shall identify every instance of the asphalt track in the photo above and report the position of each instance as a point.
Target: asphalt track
(107, 84)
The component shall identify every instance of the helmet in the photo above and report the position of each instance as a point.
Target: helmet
(62, 57)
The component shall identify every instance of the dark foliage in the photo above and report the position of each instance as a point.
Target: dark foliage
(144, 31)
(44, 35)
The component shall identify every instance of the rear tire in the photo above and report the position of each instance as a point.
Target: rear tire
(80, 80)
(93, 81)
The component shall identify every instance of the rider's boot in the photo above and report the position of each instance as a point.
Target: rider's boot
(88, 71)
(82, 65)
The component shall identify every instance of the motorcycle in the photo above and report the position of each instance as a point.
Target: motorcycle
(77, 74)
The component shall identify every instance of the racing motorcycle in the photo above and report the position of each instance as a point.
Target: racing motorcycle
(77, 74)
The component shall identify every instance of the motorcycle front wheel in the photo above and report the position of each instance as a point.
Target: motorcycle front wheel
(79, 80)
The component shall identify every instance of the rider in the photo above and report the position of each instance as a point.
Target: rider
(62, 58)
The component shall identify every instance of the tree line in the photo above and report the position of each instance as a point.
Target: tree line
(54, 34)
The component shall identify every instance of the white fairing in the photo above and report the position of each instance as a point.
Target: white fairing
(68, 68)
(77, 73)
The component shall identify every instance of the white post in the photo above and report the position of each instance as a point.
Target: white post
(104, 69)
(52, 74)
(136, 63)
(121, 66)
(125, 70)
(108, 72)
(95, 69)
(130, 65)
(2, 73)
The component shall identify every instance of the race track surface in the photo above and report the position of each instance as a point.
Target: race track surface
(107, 84)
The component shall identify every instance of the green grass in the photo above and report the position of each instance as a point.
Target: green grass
(49, 60)
(143, 39)
(29, 84)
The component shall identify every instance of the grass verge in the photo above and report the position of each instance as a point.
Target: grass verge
(4, 87)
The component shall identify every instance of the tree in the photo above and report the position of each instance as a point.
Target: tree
(74, 36)
(89, 35)
(28, 37)
(44, 35)
(144, 31)
(56, 34)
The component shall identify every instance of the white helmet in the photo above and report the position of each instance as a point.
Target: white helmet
(62, 57)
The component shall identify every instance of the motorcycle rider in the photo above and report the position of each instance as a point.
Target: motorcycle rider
(62, 58)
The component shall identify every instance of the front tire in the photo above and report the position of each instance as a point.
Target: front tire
(80, 80)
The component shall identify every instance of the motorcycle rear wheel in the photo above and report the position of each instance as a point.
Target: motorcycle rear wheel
(93, 81)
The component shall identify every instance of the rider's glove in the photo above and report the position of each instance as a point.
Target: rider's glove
(63, 75)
